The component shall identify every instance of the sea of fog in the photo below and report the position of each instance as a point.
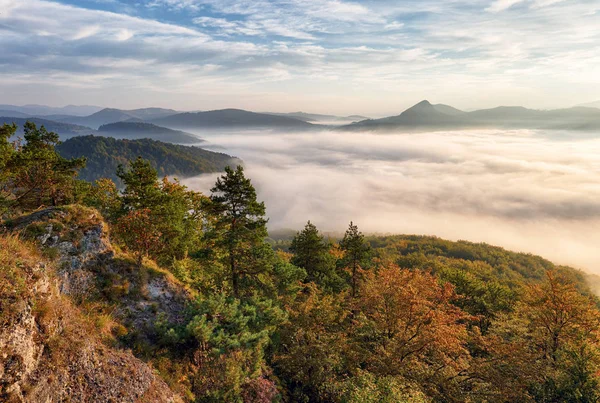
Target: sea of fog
(526, 190)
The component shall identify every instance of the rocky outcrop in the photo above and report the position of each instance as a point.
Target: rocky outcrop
(49, 351)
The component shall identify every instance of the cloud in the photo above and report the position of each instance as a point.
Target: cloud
(501, 5)
(333, 56)
(520, 189)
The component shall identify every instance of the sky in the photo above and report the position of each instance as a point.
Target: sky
(370, 57)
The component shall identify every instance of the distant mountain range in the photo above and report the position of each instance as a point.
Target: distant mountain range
(230, 118)
(167, 124)
(42, 110)
(65, 130)
(109, 115)
(426, 116)
(139, 130)
(318, 118)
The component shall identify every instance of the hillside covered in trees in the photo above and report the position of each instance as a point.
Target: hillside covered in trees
(160, 276)
(104, 154)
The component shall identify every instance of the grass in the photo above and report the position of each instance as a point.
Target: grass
(17, 259)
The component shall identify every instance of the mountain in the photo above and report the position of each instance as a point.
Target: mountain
(100, 118)
(230, 118)
(425, 116)
(112, 115)
(105, 154)
(151, 113)
(139, 130)
(65, 130)
(42, 110)
(13, 114)
(448, 110)
(318, 118)
(421, 115)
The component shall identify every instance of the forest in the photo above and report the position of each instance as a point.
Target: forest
(104, 154)
(309, 318)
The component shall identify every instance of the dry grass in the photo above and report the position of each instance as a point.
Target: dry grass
(17, 258)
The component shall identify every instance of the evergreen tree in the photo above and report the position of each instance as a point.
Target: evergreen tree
(239, 229)
(35, 174)
(312, 253)
(141, 185)
(356, 255)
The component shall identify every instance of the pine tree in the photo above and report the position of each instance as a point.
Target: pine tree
(141, 185)
(240, 229)
(356, 255)
(312, 253)
(37, 174)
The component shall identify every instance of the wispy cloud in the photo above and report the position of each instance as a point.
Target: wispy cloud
(372, 57)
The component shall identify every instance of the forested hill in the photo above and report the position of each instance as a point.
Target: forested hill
(104, 154)
(141, 130)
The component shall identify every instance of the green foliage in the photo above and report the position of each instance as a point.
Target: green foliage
(238, 232)
(231, 336)
(173, 212)
(105, 154)
(313, 254)
(356, 255)
(33, 173)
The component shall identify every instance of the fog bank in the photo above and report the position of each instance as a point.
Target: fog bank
(525, 190)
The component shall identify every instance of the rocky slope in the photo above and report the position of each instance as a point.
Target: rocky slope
(57, 341)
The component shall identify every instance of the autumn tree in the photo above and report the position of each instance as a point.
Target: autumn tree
(139, 233)
(410, 328)
(563, 325)
(312, 253)
(356, 255)
(239, 230)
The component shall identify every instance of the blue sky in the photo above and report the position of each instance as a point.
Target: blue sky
(373, 57)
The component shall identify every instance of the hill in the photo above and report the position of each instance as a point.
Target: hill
(111, 115)
(319, 118)
(43, 110)
(425, 116)
(99, 118)
(230, 118)
(65, 130)
(55, 348)
(139, 130)
(104, 154)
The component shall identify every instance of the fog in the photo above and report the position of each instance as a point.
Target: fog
(525, 190)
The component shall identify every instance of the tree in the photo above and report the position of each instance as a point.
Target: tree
(409, 328)
(312, 253)
(356, 254)
(313, 344)
(139, 232)
(240, 229)
(35, 174)
(141, 185)
(7, 151)
(175, 211)
(231, 336)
